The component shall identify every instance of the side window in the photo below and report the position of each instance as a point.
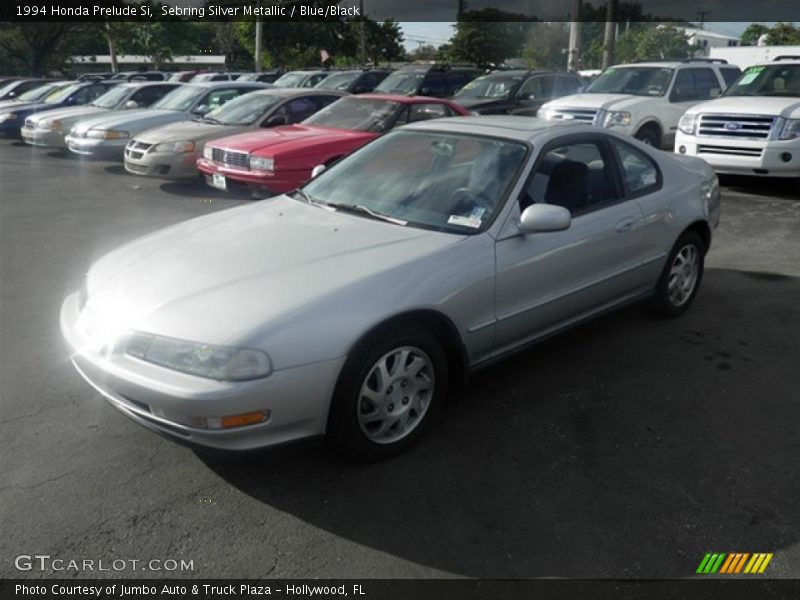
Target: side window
(433, 85)
(566, 85)
(535, 88)
(147, 95)
(315, 79)
(684, 89)
(402, 118)
(706, 84)
(323, 101)
(577, 175)
(638, 171)
(729, 74)
(300, 109)
(86, 94)
(217, 98)
(423, 112)
(455, 81)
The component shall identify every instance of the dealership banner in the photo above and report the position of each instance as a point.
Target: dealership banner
(404, 589)
(381, 10)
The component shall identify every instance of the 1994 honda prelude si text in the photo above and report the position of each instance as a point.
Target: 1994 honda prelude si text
(349, 307)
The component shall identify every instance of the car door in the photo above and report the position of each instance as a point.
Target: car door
(643, 182)
(545, 281)
(690, 86)
(534, 92)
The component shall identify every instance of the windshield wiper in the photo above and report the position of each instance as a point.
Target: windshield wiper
(360, 209)
(313, 201)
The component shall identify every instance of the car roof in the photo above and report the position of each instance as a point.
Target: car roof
(524, 129)
(403, 99)
(256, 85)
(291, 92)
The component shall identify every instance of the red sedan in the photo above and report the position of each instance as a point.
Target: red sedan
(281, 159)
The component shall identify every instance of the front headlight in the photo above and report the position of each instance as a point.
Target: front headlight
(617, 119)
(208, 153)
(687, 124)
(203, 360)
(790, 130)
(175, 147)
(107, 134)
(545, 113)
(7, 117)
(54, 125)
(260, 163)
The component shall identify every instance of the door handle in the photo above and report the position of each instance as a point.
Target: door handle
(625, 225)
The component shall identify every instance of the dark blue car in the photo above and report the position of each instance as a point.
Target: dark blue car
(12, 118)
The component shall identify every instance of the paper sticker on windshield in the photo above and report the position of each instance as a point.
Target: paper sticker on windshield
(750, 75)
(470, 221)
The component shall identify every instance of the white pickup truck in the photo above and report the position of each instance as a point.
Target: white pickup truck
(754, 129)
(645, 100)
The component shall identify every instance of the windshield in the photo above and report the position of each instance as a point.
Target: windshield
(489, 86)
(112, 97)
(771, 80)
(291, 79)
(63, 94)
(447, 182)
(401, 83)
(243, 110)
(204, 77)
(248, 77)
(360, 114)
(338, 81)
(639, 81)
(8, 87)
(180, 99)
(40, 92)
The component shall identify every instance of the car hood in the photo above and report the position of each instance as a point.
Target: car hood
(290, 137)
(74, 112)
(132, 121)
(603, 101)
(30, 107)
(194, 131)
(217, 278)
(749, 105)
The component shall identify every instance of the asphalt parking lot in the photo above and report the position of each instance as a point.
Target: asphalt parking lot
(626, 448)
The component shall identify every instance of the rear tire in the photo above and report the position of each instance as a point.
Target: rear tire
(680, 280)
(390, 389)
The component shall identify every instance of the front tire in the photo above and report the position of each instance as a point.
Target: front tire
(390, 388)
(681, 277)
(649, 136)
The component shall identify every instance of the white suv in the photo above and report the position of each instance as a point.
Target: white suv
(754, 129)
(645, 100)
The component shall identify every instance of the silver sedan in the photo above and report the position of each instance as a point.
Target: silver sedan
(351, 307)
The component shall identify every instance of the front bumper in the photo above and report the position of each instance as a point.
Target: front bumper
(272, 182)
(744, 157)
(167, 165)
(46, 138)
(297, 398)
(96, 147)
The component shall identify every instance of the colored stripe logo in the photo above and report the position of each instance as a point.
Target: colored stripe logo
(734, 563)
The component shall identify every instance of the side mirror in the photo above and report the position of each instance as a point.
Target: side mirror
(131, 104)
(317, 170)
(540, 218)
(201, 110)
(275, 121)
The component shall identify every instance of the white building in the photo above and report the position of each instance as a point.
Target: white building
(745, 56)
(705, 40)
(134, 62)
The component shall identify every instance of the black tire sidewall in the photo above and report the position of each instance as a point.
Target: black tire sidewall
(648, 133)
(343, 431)
(662, 303)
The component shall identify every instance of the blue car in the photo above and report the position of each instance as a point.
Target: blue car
(12, 117)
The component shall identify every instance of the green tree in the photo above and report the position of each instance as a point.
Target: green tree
(33, 48)
(424, 52)
(489, 36)
(783, 34)
(547, 46)
(659, 42)
(752, 33)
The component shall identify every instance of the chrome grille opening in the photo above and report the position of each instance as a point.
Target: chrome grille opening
(729, 150)
(581, 115)
(756, 127)
(230, 158)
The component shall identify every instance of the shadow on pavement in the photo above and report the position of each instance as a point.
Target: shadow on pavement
(627, 447)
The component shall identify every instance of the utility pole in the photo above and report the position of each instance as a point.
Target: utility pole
(609, 40)
(259, 35)
(362, 35)
(574, 37)
(112, 48)
(702, 14)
